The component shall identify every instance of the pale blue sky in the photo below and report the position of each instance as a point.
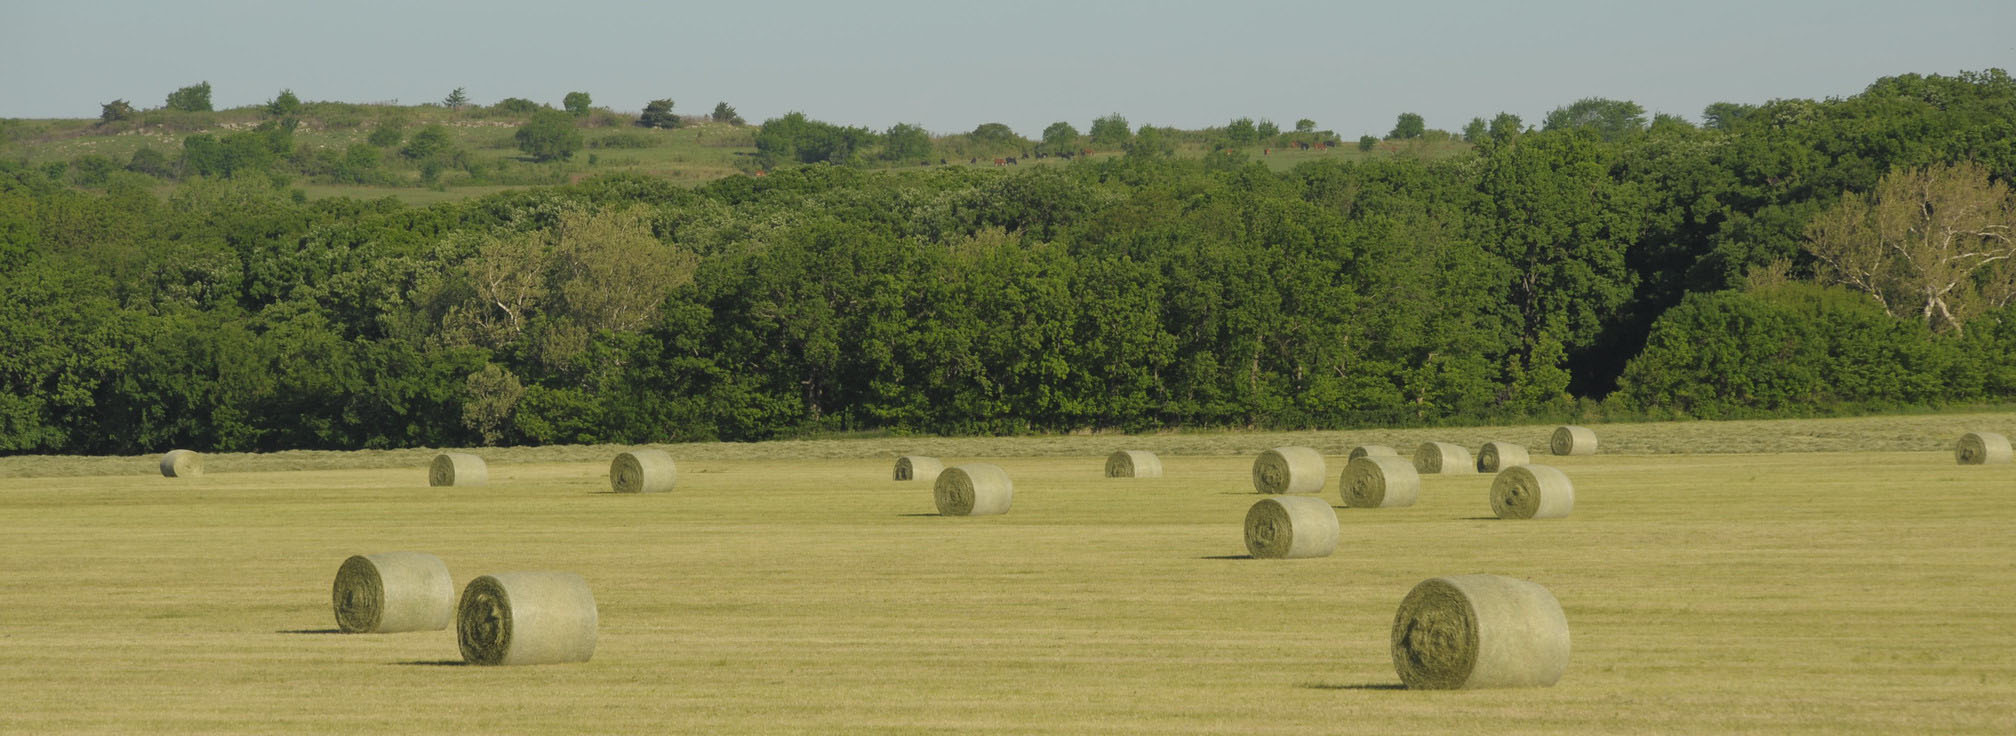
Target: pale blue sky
(952, 65)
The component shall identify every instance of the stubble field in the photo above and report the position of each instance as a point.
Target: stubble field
(1809, 587)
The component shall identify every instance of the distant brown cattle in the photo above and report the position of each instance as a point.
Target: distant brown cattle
(1000, 162)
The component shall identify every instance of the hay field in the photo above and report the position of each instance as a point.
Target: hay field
(794, 588)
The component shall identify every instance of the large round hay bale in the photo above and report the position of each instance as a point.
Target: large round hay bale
(1532, 492)
(1496, 456)
(1982, 448)
(1291, 527)
(526, 618)
(643, 471)
(457, 469)
(1380, 481)
(918, 467)
(1133, 464)
(1363, 450)
(1289, 470)
(181, 464)
(1572, 440)
(1479, 631)
(973, 489)
(391, 592)
(1443, 457)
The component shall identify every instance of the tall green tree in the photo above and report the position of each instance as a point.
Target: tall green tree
(193, 98)
(658, 114)
(1059, 138)
(456, 99)
(905, 142)
(1611, 120)
(284, 104)
(549, 136)
(1408, 126)
(1110, 130)
(576, 103)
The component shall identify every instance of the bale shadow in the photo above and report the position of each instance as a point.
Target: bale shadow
(914, 515)
(433, 663)
(1227, 557)
(1479, 518)
(309, 631)
(1357, 686)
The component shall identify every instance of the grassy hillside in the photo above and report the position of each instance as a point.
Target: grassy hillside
(700, 151)
(793, 588)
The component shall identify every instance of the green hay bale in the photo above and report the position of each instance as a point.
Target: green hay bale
(391, 592)
(181, 464)
(1982, 448)
(1289, 470)
(643, 471)
(1380, 481)
(1496, 456)
(1572, 440)
(1465, 632)
(1364, 450)
(973, 489)
(1532, 492)
(1444, 458)
(918, 467)
(526, 618)
(457, 469)
(1291, 527)
(1133, 464)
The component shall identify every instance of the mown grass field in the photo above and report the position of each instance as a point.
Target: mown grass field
(1845, 577)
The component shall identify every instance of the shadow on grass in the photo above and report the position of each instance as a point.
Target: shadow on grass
(1479, 518)
(1359, 686)
(920, 514)
(1227, 557)
(309, 631)
(433, 663)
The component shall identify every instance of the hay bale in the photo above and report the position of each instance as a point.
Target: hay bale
(973, 489)
(457, 469)
(1496, 456)
(1532, 492)
(918, 467)
(1133, 464)
(1291, 527)
(1289, 470)
(1572, 440)
(181, 464)
(1982, 448)
(1364, 450)
(1465, 632)
(643, 471)
(391, 592)
(1380, 481)
(526, 618)
(1442, 457)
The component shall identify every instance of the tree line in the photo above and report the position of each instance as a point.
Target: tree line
(1794, 257)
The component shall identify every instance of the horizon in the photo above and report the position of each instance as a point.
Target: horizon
(901, 61)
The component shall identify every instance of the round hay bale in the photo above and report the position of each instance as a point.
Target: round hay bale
(1442, 457)
(526, 618)
(1133, 464)
(973, 489)
(643, 471)
(457, 469)
(390, 592)
(1465, 632)
(1572, 440)
(1978, 448)
(1496, 456)
(1363, 450)
(918, 467)
(1532, 492)
(1289, 470)
(1380, 481)
(1291, 527)
(181, 464)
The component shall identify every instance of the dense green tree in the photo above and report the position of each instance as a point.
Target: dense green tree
(115, 111)
(456, 99)
(549, 136)
(1725, 116)
(1475, 131)
(193, 98)
(1612, 120)
(576, 103)
(1149, 143)
(1242, 132)
(905, 142)
(1059, 138)
(1268, 130)
(796, 138)
(723, 113)
(1408, 126)
(1305, 125)
(387, 133)
(1505, 126)
(283, 105)
(658, 114)
(430, 142)
(1110, 130)
(1366, 143)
